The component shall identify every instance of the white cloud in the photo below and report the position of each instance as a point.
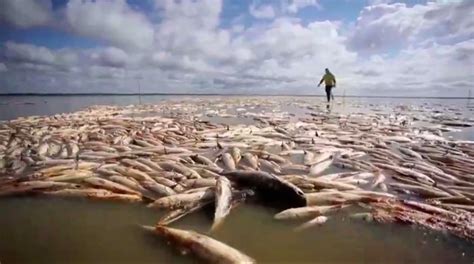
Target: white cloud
(292, 6)
(262, 12)
(112, 57)
(3, 67)
(111, 21)
(26, 13)
(383, 27)
(29, 53)
(377, 2)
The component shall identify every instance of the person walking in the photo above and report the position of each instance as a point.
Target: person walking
(330, 82)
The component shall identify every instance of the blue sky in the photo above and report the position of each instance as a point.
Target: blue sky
(383, 46)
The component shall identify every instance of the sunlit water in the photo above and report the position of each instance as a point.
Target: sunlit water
(45, 230)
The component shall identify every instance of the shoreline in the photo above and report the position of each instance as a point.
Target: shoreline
(233, 95)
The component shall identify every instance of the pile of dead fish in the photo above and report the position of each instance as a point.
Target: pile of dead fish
(171, 158)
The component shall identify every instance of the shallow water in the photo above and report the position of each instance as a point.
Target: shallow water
(50, 230)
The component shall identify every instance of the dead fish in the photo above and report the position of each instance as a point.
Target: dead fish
(320, 158)
(72, 176)
(250, 160)
(133, 173)
(180, 212)
(134, 185)
(308, 211)
(196, 183)
(269, 186)
(204, 247)
(410, 153)
(183, 199)
(235, 153)
(205, 173)
(24, 187)
(157, 188)
(331, 197)
(428, 208)
(223, 201)
(319, 167)
(378, 179)
(319, 220)
(408, 172)
(92, 193)
(150, 164)
(369, 217)
(109, 185)
(175, 167)
(203, 160)
(229, 163)
(138, 165)
(169, 183)
(308, 157)
(269, 166)
(321, 183)
(421, 190)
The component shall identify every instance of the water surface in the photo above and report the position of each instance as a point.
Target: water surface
(51, 230)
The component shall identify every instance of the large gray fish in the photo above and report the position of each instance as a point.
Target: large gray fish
(203, 247)
(269, 187)
(223, 201)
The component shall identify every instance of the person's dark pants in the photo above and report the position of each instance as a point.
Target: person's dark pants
(328, 92)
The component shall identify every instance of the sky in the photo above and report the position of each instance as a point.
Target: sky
(373, 47)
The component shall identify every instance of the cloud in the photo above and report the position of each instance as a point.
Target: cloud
(26, 13)
(377, 2)
(261, 12)
(3, 67)
(111, 21)
(29, 53)
(292, 6)
(420, 50)
(111, 57)
(388, 27)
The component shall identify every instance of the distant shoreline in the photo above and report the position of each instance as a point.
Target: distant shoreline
(212, 94)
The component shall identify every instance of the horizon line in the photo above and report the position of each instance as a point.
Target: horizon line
(223, 94)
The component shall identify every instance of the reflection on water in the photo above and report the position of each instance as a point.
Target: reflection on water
(37, 230)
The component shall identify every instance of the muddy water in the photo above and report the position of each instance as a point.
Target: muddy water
(50, 230)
